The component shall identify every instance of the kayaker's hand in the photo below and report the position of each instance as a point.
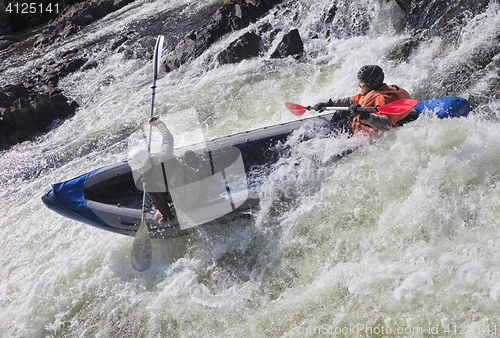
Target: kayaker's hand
(354, 108)
(153, 120)
(363, 114)
(320, 106)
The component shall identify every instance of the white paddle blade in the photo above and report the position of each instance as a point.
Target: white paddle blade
(157, 55)
(141, 249)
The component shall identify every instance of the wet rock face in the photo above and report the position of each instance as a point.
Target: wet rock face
(231, 16)
(76, 16)
(47, 78)
(31, 105)
(25, 112)
(7, 40)
(247, 46)
(426, 19)
(439, 18)
(291, 44)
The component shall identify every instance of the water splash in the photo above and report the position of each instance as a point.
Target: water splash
(401, 233)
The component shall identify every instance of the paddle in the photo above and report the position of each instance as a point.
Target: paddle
(394, 108)
(141, 249)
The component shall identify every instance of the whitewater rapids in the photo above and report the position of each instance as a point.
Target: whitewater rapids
(400, 238)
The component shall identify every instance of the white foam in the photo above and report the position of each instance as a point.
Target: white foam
(402, 232)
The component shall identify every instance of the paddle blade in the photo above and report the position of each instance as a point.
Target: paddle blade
(398, 107)
(141, 249)
(157, 55)
(295, 109)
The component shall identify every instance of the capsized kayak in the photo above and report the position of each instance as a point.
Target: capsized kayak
(108, 197)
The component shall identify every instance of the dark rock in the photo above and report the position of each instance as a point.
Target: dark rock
(90, 65)
(24, 113)
(247, 46)
(5, 27)
(402, 52)
(50, 76)
(13, 92)
(7, 118)
(70, 67)
(72, 18)
(69, 54)
(118, 42)
(330, 15)
(6, 41)
(23, 116)
(231, 16)
(21, 124)
(440, 18)
(291, 44)
(428, 18)
(120, 3)
(404, 4)
(31, 107)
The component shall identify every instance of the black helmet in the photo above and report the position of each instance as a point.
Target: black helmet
(372, 75)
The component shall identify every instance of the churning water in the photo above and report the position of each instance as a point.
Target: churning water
(401, 238)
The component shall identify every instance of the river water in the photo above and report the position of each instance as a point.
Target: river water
(401, 238)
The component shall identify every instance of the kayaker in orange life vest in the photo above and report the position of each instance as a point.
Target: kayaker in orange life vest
(374, 92)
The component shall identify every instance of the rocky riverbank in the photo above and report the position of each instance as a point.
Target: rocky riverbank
(32, 105)
(28, 113)
(29, 107)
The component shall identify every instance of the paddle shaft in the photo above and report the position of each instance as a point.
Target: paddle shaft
(394, 108)
(156, 63)
(331, 110)
(149, 146)
(141, 254)
(347, 108)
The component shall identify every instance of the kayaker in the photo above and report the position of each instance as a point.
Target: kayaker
(163, 176)
(374, 92)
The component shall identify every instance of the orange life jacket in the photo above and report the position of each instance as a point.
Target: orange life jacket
(380, 97)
